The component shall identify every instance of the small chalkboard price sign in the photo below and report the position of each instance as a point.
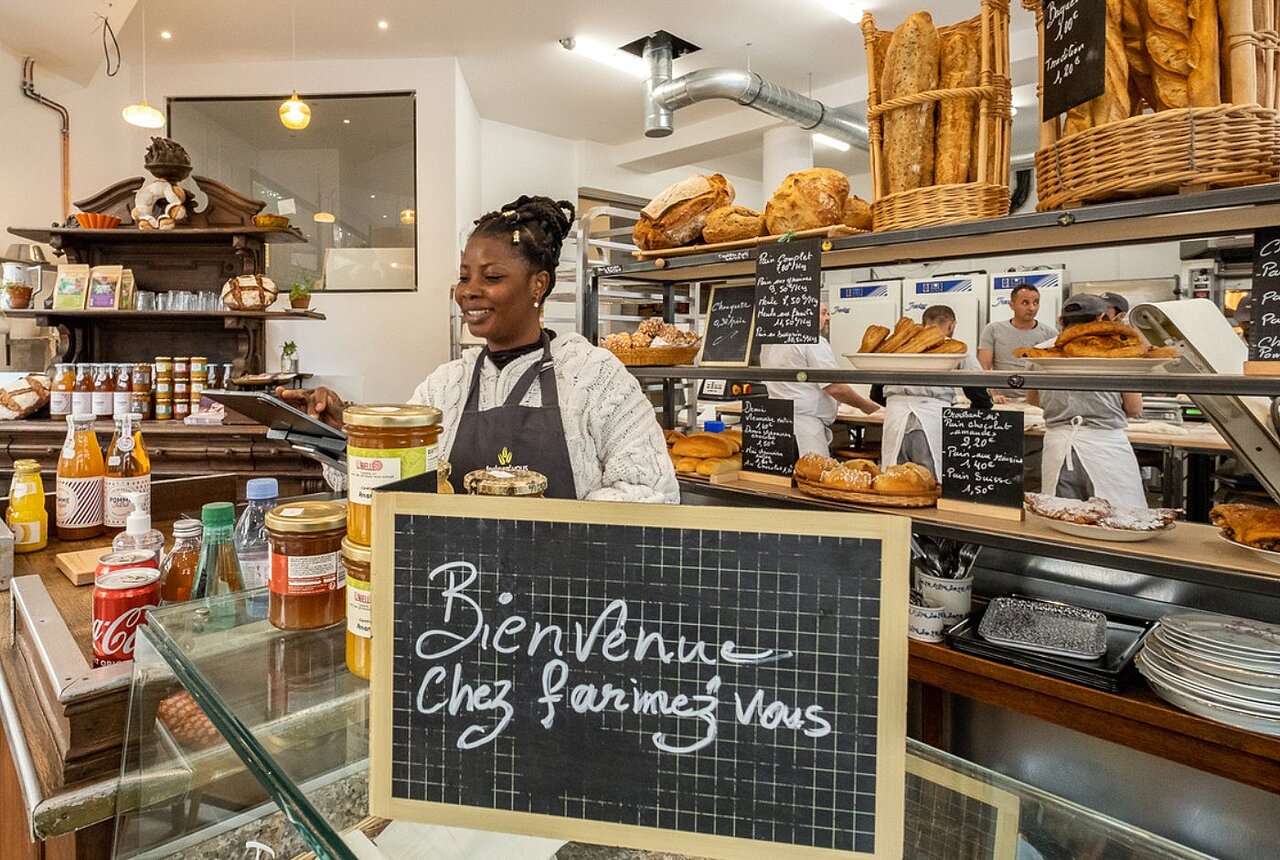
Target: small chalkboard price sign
(982, 462)
(788, 292)
(1074, 52)
(695, 680)
(768, 441)
(1264, 326)
(727, 334)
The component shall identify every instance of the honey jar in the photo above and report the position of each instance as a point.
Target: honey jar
(385, 443)
(357, 559)
(505, 482)
(307, 588)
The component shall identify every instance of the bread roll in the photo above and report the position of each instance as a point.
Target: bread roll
(857, 213)
(1113, 104)
(677, 215)
(731, 223)
(702, 445)
(807, 199)
(911, 66)
(811, 466)
(1203, 86)
(863, 466)
(844, 478)
(718, 466)
(688, 465)
(956, 118)
(904, 479)
(873, 337)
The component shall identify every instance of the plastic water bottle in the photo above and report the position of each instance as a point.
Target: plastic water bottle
(252, 548)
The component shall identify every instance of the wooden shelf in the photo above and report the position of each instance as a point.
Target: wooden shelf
(131, 234)
(34, 313)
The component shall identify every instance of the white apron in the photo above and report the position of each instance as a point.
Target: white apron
(897, 414)
(812, 436)
(1107, 458)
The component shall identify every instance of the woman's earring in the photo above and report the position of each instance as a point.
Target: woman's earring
(535, 303)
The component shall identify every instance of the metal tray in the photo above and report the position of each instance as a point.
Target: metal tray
(1047, 628)
(1111, 673)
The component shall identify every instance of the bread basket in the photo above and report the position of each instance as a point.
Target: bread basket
(987, 196)
(1173, 150)
(656, 356)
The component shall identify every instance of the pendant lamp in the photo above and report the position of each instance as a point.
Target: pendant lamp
(143, 115)
(295, 114)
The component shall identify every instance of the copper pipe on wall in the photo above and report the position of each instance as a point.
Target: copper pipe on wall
(29, 90)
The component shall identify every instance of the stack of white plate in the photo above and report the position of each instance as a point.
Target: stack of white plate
(1218, 667)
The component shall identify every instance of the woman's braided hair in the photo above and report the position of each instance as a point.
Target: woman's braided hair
(536, 227)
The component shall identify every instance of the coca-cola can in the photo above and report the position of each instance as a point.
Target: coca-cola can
(121, 599)
(125, 559)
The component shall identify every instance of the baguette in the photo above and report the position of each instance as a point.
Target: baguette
(906, 329)
(1113, 104)
(1166, 32)
(1079, 118)
(925, 339)
(1203, 86)
(702, 445)
(911, 66)
(873, 337)
(956, 117)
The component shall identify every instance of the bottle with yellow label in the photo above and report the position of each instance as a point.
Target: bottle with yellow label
(385, 443)
(26, 516)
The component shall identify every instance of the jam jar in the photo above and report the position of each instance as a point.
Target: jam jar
(505, 482)
(307, 585)
(385, 443)
(357, 559)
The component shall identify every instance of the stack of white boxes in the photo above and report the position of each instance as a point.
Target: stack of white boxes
(965, 294)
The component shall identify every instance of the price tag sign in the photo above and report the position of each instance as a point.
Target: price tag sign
(1264, 327)
(768, 438)
(788, 292)
(982, 462)
(727, 334)
(1075, 53)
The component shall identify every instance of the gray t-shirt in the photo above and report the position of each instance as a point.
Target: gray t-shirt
(1002, 339)
(937, 392)
(1103, 410)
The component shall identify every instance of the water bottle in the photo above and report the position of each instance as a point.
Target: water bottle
(252, 548)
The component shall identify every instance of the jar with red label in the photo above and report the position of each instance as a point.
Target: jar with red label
(124, 560)
(121, 599)
(308, 581)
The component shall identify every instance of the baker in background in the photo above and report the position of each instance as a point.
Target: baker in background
(1086, 451)
(815, 403)
(1117, 307)
(1001, 337)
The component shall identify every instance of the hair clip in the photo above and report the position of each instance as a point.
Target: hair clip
(515, 236)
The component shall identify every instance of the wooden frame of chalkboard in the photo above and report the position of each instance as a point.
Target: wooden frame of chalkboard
(814, 627)
(1264, 330)
(1005, 806)
(709, 345)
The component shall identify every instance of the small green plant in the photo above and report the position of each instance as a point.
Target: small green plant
(301, 289)
(289, 348)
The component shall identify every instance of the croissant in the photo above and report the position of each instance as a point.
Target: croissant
(1248, 524)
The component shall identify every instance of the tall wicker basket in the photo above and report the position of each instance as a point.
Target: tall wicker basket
(988, 196)
(1177, 150)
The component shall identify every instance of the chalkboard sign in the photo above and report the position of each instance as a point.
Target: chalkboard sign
(1264, 324)
(788, 292)
(704, 681)
(1075, 53)
(982, 461)
(768, 437)
(726, 338)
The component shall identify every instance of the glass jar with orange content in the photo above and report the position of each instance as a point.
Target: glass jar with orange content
(307, 581)
(357, 560)
(505, 482)
(385, 443)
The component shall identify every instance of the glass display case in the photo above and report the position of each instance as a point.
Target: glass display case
(248, 741)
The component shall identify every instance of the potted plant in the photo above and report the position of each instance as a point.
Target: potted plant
(300, 293)
(289, 358)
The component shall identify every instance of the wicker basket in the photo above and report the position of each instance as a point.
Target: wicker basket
(656, 356)
(885, 500)
(1177, 150)
(988, 195)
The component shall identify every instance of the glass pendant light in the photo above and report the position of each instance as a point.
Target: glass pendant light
(143, 115)
(295, 114)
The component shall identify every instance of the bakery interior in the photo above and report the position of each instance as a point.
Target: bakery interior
(275, 195)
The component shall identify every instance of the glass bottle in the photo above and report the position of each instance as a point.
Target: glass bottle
(104, 390)
(82, 390)
(128, 470)
(26, 516)
(253, 549)
(138, 533)
(218, 571)
(64, 380)
(79, 481)
(178, 571)
(120, 401)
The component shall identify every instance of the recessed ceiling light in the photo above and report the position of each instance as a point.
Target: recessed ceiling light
(384, 216)
(346, 122)
(831, 142)
(382, 25)
(165, 34)
(373, 196)
(846, 9)
(1013, 110)
(587, 47)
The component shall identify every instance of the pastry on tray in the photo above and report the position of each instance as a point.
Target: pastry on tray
(1098, 339)
(904, 479)
(811, 466)
(844, 478)
(909, 338)
(1250, 525)
(1100, 512)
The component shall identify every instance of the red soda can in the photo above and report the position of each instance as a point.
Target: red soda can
(125, 559)
(121, 599)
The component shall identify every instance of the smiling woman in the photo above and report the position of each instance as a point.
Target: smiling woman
(558, 405)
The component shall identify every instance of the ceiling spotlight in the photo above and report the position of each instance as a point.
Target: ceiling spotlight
(295, 114)
(407, 216)
(165, 34)
(384, 216)
(382, 25)
(323, 218)
(373, 197)
(846, 9)
(143, 115)
(346, 122)
(585, 46)
(830, 142)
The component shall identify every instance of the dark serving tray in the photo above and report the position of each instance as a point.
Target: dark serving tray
(1109, 673)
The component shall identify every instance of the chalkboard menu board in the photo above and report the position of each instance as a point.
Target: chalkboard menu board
(726, 338)
(1264, 324)
(982, 460)
(768, 436)
(1075, 53)
(788, 292)
(687, 679)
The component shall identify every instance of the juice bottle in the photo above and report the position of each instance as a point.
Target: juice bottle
(178, 572)
(120, 404)
(79, 481)
(82, 390)
(64, 379)
(128, 471)
(26, 516)
(104, 390)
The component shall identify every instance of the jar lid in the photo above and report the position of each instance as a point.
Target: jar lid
(391, 415)
(164, 358)
(297, 517)
(504, 482)
(26, 466)
(358, 553)
(186, 528)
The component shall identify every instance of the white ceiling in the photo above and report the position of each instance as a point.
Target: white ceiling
(508, 50)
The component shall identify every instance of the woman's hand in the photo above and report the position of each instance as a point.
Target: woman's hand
(322, 403)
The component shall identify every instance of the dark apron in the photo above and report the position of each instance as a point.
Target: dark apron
(513, 436)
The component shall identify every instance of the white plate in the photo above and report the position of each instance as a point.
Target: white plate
(902, 361)
(1268, 554)
(1179, 695)
(1233, 656)
(1256, 640)
(1212, 664)
(1100, 532)
(1155, 654)
(1151, 668)
(1104, 365)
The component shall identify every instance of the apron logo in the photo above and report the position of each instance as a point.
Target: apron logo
(505, 457)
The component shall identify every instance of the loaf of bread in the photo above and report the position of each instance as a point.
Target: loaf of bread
(734, 436)
(959, 52)
(911, 66)
(857, 213)
(1203, 85)
(873, 337)
(1166, 32)
(904, 479)
(23, 397)
(732, 223)
(688, 465)
(249, 293)
(702, 445)
(811, 466)
(677, 215)
(719, 465)
(1113, 104)
(807, 199)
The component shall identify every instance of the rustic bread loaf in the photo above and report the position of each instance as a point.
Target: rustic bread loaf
(23, 397)
(857, 213)
(1203, 84)
(959, 52)
(1113, 104)
(1166, 32)
(911, 66)
(677, 215)
(731, 223)
(807, 199)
